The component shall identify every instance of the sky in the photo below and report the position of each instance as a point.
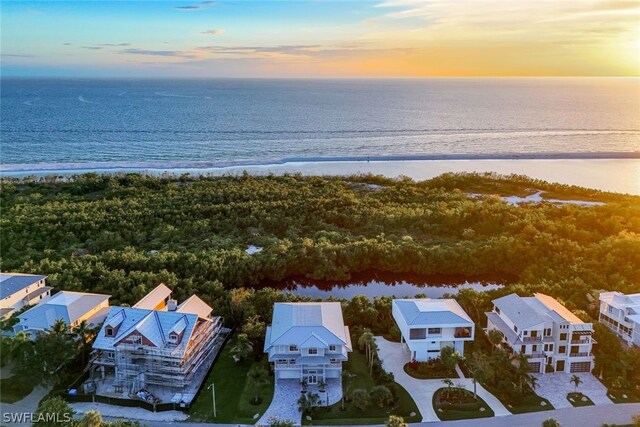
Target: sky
(393, 38)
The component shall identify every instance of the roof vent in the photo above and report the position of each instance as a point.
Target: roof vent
(172, 305)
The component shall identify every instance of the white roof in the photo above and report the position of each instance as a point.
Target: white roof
(154, 298)
(427, 311)
(297, 323)
(525, 312)
(620, 300)
(65, 305)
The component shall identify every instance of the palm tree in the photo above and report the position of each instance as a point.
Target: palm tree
(367, 342)
(347, 381)
(522, 370)
(550, 422)
(576, 380)
(449, 384)
(60, 327)
(242, 347)
(258, 378)
(495, 337)
(82, 332)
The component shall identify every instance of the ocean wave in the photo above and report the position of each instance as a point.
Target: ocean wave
(8, 169)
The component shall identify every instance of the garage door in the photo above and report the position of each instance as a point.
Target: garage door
(580, 367)
(534, 366)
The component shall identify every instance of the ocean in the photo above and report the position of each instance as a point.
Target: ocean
(86, 124)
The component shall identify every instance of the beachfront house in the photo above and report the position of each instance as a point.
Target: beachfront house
(545, 331)
(156, 350)
(621, 314)
(71, 307)
(428, 325)
(307, 341)
(18, 290)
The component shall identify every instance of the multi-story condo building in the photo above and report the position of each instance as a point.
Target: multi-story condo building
(545, 331)
(621, 313)
(157, 346)
(307, 340)
(18, 290)
(428, 325)
(71, 307)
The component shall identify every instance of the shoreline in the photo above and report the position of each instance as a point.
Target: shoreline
(70, 167)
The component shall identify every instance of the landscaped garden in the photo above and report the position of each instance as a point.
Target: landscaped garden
(243, 390)
(367, 400)
(433, 368)
(623, 396)
(579, 399)
(456, 403)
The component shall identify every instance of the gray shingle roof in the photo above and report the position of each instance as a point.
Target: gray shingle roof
(10, 283)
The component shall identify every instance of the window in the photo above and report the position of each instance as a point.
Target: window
(293, 348)
(136, 339)
(562, 349)
(417, 334)
(610, 309)
(332, 348)
(525, 333)
(523, 349)
(497, 310)
(313, 351)
(515, 329)
(534, 348)
(108, 331)
(547, 332)
(563, 337)
(435, 331)
(110, 355)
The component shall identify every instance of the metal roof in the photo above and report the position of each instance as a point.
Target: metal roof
(195, 305)
(154, 325)
(10, 283)
(509, 334)
(516, 309)
(426, 312)
(154, 298)
(65, 305)
(294, 323)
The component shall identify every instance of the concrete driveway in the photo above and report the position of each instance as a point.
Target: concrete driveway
(395, 355)
(556, 386)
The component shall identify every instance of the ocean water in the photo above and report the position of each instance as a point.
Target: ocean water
(86, 124)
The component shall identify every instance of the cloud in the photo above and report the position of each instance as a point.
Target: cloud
(93, 47)
(199, 6)
(16, 55)
(166, 53)
(214, 32)
(115, 44)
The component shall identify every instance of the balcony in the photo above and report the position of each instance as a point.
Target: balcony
(462, 333)
(535, 355)
(532, 339)
(580, 342)
(582, 354)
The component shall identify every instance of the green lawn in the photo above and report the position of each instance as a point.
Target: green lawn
(357, 364)
(13, 389)
(576, 399)
(618, 396)
(530, 403)
(464, 411)
(233, 395)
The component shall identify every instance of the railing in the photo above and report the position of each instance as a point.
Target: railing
(580, 342)
(582, 354)
(535, 355)
(531, 339)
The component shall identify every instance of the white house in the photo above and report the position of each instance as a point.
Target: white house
(307, 340)
(621, 313)
(18, 290)
(428, 325)
(71, 307)
(545, 331)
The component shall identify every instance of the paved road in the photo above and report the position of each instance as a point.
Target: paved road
(587, 416)
(556, 386)
(27, 405)
(394, 356)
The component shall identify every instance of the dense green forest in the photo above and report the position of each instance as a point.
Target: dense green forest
(123, 234)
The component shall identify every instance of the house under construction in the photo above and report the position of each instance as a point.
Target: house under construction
(157, 350)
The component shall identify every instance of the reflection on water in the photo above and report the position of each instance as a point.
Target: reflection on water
(376, 284)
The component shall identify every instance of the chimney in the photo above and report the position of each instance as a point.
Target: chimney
(172, 305)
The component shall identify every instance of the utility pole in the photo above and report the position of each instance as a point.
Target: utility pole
(213, 397)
